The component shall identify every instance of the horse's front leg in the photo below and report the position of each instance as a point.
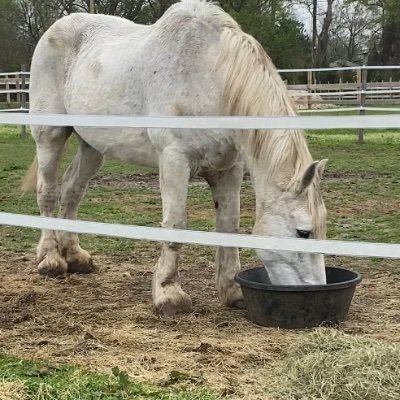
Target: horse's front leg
(225, 187)
(169, 299)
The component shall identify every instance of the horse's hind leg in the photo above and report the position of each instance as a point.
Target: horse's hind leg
(50, 142)
(225, 187)
(86, 163)
(168, 297)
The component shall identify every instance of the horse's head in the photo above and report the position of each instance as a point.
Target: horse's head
(290, 212)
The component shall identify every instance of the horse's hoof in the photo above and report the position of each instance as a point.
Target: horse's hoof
(232, 296)
(169, 307)
(238, 304)
(52, 267)
(79, 261)
(76, 267)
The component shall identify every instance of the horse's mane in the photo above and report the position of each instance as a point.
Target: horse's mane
(253, 87)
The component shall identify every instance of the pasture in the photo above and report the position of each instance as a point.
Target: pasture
(105, 320)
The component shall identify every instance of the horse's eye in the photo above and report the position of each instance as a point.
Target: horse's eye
(303, 234)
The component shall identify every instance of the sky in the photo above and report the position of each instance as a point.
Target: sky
(304, 16)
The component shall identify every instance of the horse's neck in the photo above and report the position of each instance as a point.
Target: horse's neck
(266, 190)
(278, 166)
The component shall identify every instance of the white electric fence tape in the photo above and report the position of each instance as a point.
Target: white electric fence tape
(345, 248)
(367, 121)
(360, 249)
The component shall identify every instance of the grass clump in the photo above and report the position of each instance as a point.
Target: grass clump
(28, 380)
(330, 365)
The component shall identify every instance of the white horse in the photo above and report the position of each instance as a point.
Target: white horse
(194, 61)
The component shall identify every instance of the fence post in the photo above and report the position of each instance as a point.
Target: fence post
(8, 95)
(363, 97)
(309, 88)
(18, 87)
(359, 84)
(23, 98)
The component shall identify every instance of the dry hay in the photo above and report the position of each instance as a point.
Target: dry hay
(12, 391)
(105, 320)
(330, 365)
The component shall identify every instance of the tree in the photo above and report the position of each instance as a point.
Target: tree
(269, 21)
(384, 46)
(278, 31)
(13, 49)
(322, 17)
(352, 27)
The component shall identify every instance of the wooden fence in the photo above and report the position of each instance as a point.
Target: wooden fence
(14, 90)
(310, 96)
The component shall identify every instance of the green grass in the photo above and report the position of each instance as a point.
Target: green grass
(39, 381)
(361, 191)
(363, 202)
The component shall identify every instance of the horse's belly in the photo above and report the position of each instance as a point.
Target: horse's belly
(127, 145)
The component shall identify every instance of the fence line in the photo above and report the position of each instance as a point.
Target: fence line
(20, 109)
(329, 69)
(246, 123)
(337, 93)
(15, 73)
(351, 109)
(345, 93)
(346, 248)
(333, 247)
(13, 91)
(382, 109)
(332, 110)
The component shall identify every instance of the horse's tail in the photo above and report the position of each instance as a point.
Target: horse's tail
(29, 182)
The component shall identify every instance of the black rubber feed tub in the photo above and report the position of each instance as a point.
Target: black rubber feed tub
(301, 306)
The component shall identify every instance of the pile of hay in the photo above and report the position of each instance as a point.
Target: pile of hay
(330, 365)
(12, 390)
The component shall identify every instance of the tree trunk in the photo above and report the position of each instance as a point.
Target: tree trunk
(323, 38)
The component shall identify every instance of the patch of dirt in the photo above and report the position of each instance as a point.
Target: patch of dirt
(363, 208)
(128, 181)
(350, 175)
(352, 203)
(150, 180)
(106, 319)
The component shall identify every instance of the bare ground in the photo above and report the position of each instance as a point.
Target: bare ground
(127, 181)
(150, 180)
(104, 320)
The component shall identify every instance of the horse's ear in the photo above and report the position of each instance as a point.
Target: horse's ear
(309, 175)
(321, 167)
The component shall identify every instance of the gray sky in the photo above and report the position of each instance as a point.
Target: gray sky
(304, 16)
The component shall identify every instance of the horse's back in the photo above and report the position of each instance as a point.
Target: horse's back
(62, 45)
(106, 57)
(106, 65)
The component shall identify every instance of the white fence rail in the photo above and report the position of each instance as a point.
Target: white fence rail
(354, 68)
(14, 88)
(246, 123)
(350, 95)
(346, 248)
